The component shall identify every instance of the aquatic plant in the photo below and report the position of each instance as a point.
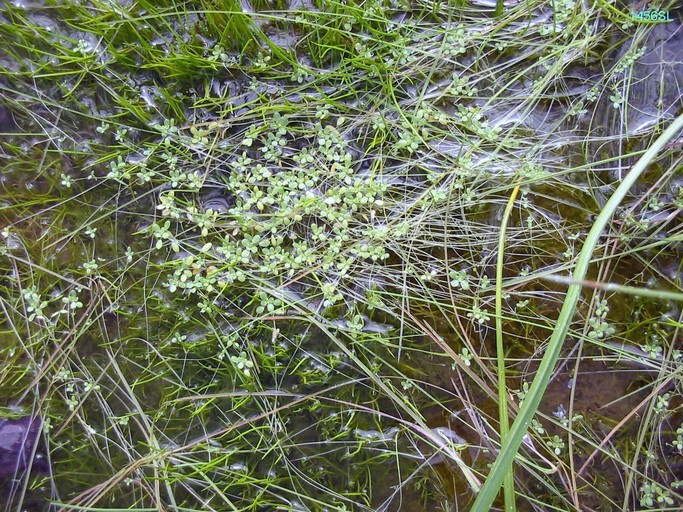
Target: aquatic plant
(255, 256)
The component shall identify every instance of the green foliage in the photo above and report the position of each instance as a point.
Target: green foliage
(247, 253)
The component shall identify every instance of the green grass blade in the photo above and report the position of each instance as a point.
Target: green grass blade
(511, 443)
(618, 288)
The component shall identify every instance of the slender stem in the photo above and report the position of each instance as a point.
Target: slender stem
(509, 484)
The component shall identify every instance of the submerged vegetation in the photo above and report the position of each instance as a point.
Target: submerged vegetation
(293, 255)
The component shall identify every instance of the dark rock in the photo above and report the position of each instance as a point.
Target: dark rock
(7, 123)
(18, 438)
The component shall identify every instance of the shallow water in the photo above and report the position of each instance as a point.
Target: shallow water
(157, 388)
